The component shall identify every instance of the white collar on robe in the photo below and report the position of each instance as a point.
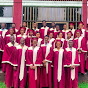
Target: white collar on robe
(24, 36)
(62, 39)
(10, 35)
(56, 30)
(10, 44)
(65, 31)
(51, 29)
(35, 29)
(19, 47)
(45, 27)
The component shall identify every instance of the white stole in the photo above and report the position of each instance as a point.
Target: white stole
(51, 40)
(47, 52)
(34, 59)
(45, 30)
(3, 33)
(60, 57)
(22, 63)
(39, 42)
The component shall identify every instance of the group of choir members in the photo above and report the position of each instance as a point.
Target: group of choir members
(48, 55)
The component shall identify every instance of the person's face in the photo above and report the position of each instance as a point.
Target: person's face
(22, 41)
(60, 35)
(12, 38)
(24, 24)
(51, 35)
(80, 26)
(46, 39)
(13, 25)
(58, 44)
(69, 35)
(22, 31)
(65, 26)
(34, 42)
(3, 25)
(70, 43)
(78, 34)
(31, 33)
(44, 23)
(11, 31)
(57, 27)
(71, 26)
(35, 25)
(53, 24)
(38, 35)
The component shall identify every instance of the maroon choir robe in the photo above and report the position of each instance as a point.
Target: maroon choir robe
(66, 43)
(43, 31)
(58, 69)
(10, 60)
(34, 58)
(52, 29)
(73, 32)
(21, 69)
(47, 52)
(83, 33)
(40, 41)
(65, 33)
(19, 37)
(86, 36)
(80, 43)
(56, 33)
(71, 75)
(61, 39)
(7, 38)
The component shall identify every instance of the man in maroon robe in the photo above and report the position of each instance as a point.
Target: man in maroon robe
(10, 61)
(34, 61)
(71, 61)
(81, 45)
(47, 52)
(43, 30)
(21, 69)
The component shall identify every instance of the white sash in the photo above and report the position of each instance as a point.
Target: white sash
(47, 52)
(51, 40)
(22, 64)
(73, 59)
(45, 31)
(60, 57)
(39, 42)
(3, 33)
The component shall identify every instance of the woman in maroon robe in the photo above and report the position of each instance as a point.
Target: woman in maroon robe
(47, 52)
(58, 69)
(34, 61)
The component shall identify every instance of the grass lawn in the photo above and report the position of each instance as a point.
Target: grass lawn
(82, 85)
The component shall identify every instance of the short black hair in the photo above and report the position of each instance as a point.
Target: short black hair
(57, 25)
(46, 36)
(59, 33)
(24, 22)
(37, 32)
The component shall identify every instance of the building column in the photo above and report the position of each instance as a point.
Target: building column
(84, 12)
(17, 13)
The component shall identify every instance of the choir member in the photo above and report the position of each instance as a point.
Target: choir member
(14, 27)
(25, 26)
(71, 63)
(56, 31)
(81, 46)
(29, 38)
(35, 27)
(69, 37)
(81, 28)
(21, 69)
(60, 37)
(22, 34)
(43, 30)
(47, 53)
(11, 33)
(51, 38)
(3, 30)
(34, 61)
(86, 36)
(71, 25)
(65, 31)
(40, 40)
(58, 69)
(53, 27)
(10, 62)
